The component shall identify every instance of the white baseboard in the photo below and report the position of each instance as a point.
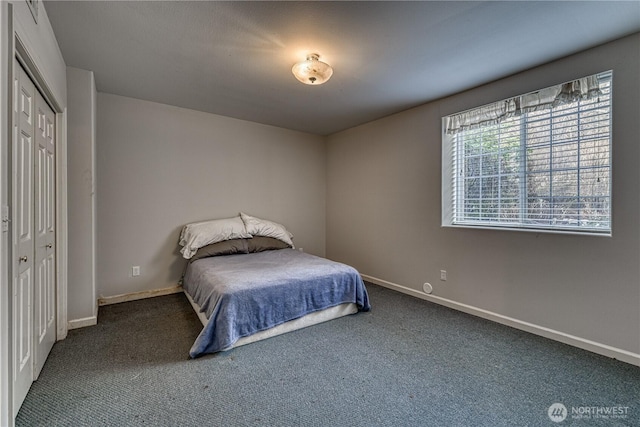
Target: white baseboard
(139, 295)
(603, 349)
(82, 323)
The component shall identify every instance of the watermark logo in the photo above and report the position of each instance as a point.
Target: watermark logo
(557, 412)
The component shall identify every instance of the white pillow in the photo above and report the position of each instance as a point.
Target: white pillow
(262, 227)
(199, 234)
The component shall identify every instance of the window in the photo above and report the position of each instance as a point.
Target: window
(539, 161)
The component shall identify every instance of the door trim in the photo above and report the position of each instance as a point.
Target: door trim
(6, 277)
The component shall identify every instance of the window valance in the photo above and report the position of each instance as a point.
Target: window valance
(584, 88)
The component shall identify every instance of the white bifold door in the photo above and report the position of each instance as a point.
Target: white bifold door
(33, 201)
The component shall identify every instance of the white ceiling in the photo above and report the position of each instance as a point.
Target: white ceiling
(235, 58)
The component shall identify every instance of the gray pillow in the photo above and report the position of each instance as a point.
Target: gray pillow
(264, 243)
(226, 247)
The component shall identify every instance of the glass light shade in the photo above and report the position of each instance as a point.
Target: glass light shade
(312, 71)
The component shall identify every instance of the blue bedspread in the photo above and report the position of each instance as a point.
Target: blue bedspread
(247, 293)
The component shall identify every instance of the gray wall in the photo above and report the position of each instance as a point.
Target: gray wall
(160, 167)
(81, 141)
(384, 205)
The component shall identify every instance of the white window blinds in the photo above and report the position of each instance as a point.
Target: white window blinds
(537, 161)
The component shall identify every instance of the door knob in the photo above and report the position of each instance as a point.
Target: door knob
(49, 246)
(23, 258)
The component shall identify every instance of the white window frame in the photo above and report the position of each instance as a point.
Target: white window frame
(450, 177)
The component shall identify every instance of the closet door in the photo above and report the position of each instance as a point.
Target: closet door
(33, 201)
(23, 248)
(44, 221)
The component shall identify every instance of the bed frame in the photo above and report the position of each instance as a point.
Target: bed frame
(292, 325)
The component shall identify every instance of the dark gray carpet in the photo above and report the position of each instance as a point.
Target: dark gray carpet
(406, 363)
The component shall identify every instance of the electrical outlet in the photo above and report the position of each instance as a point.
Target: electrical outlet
(443, 275)
(135, 271)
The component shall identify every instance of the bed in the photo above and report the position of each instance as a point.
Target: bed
(248, 288)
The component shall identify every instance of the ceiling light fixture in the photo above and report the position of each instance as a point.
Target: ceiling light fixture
(312, 71)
